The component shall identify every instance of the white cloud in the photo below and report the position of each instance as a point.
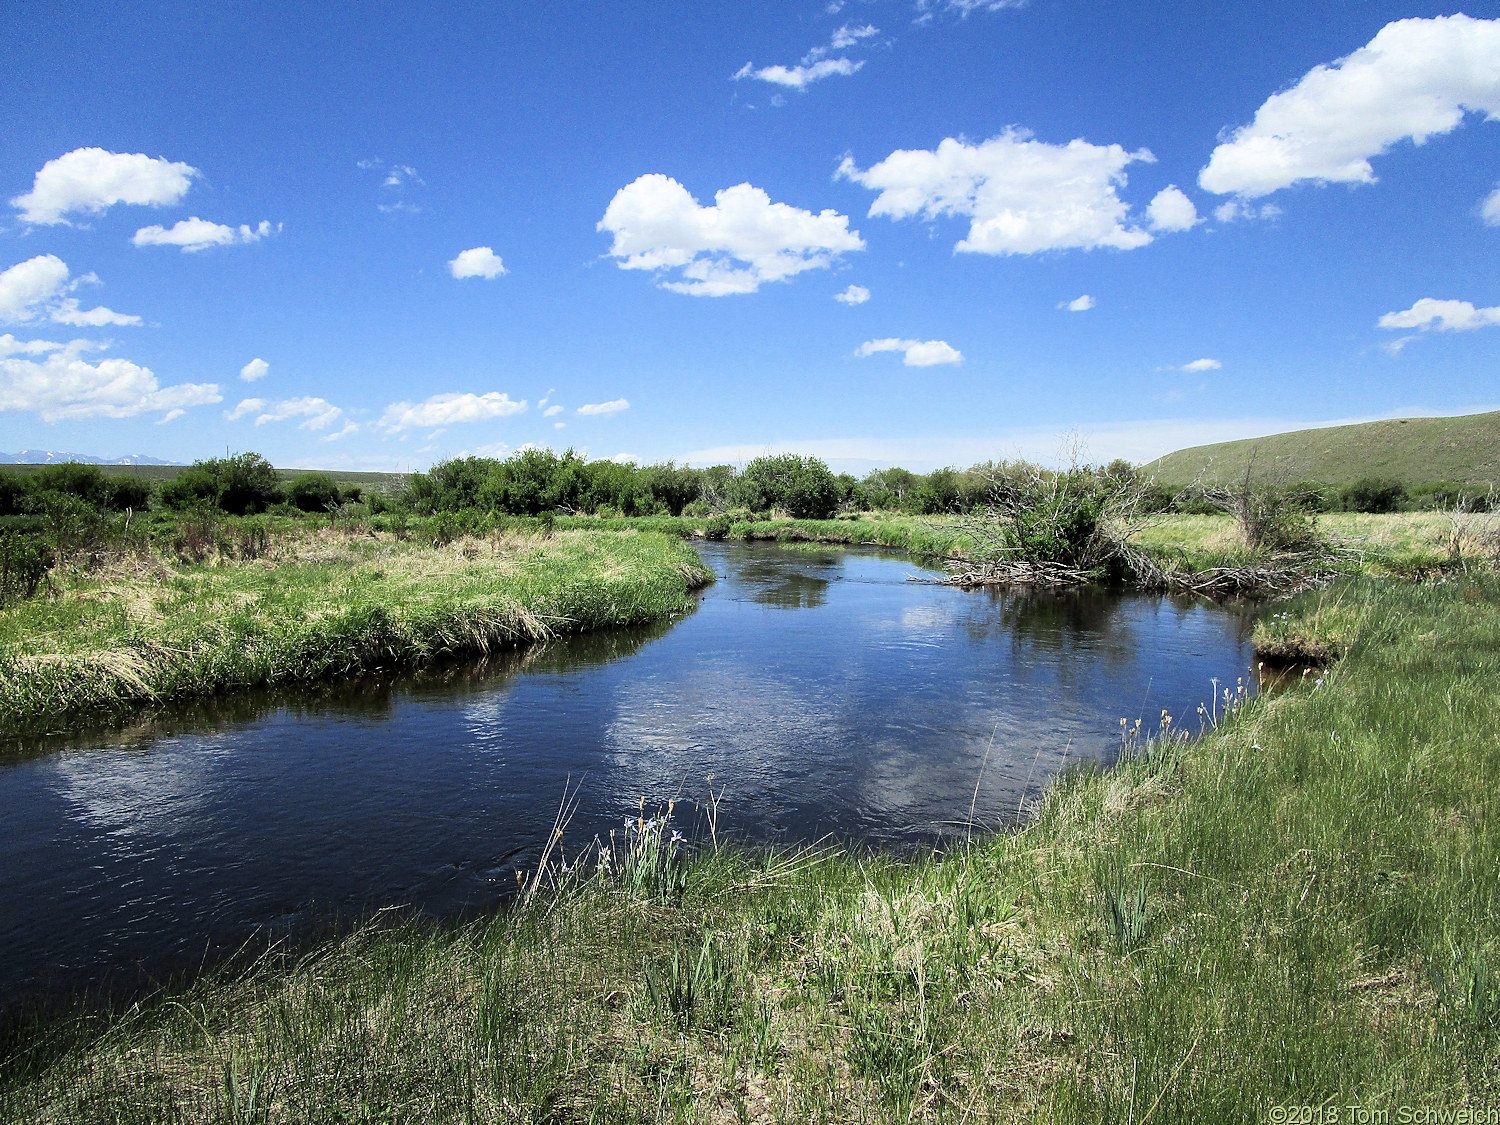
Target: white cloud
(625, 459)
(814, 65)
(349, 428)
(559, 425)
(196, 234)
(29, 284)
(170, 416)
(1023, 196)
(1489, 210)
(318, 412)
(552, 410)
(64, 385)
(1414, 80)
(397, 178)
(1445, 316)
(1078, 304)
(34, 288)
(614, 406)
(854, 295)
(916, 353)
(68, 312)
(1202, 365)
(446, 409)
(1233, 210)
(255, 369)
(658, 225)
(90, 179)
(1171, 209)
(9, 345)
(965, 7)
(481, 261)
(849, 35)
(800, 77)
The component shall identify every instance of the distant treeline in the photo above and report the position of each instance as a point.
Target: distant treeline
(537, 481)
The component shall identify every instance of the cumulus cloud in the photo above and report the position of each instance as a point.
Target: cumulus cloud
(9, 345)
(1489, 210)
(1445, 316)
(1023, 196)
(89, 180)
(1078, 304)
(255, 369)
(35, 289)
(916, 353)
(800, 77)
(1202, 365)
(481, 261)
(1171, 209)
(196, 234)
(552, 410)
(1414, 80)
(446, 409)
(854, 295)
(614, 406)
(318, 413)
(657, 225)
(64, 385)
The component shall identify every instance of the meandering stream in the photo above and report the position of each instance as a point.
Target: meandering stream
(825, 692)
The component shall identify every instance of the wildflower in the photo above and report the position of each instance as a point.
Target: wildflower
(678, 837)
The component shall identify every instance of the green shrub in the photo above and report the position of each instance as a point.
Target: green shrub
(314, 492)
(241, 485)
(803, 487)
(1373, 494)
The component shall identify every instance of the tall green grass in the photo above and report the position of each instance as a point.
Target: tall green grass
(1298, 909)
(143, 631)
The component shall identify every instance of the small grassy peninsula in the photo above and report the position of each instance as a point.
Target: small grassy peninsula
(1296, 910)
(137, 628)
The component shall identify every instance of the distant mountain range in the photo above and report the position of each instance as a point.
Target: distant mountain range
(52, 457)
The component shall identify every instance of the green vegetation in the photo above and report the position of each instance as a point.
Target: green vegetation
(133, 628)
(1296, 909)
(1412, 452)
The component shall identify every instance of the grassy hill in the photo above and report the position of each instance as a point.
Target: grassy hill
(1412, 450)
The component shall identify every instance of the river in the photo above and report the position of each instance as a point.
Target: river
(825, 692)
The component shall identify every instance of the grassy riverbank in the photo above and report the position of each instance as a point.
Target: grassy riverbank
(138, 629)
(1298, 909)
(1403, 543)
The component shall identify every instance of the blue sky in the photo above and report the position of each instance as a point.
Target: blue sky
(456, 228)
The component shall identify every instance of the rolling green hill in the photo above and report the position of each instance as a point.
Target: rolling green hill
(1411, 450)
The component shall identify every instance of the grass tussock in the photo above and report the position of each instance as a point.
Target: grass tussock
(136, 629)
(1297, 909)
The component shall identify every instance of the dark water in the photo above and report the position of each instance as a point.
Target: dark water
(827, 694)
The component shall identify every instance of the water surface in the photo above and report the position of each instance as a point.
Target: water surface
(826, 692)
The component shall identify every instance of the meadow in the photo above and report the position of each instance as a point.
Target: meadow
(137, 627)
(1295, 908)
